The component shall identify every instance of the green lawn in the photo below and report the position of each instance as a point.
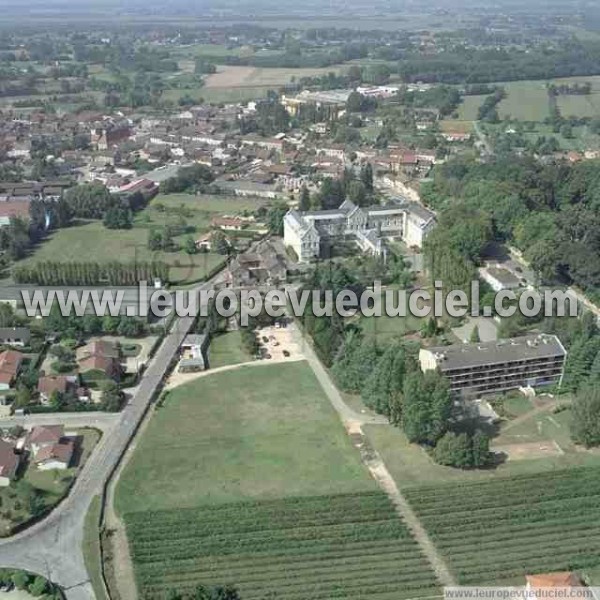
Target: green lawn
(257, 432)
(515, 406)
(206, 203)
(541, 427)
(91, 241)
(411, 466)
(226, 349)
(228, 95)
(385, 327)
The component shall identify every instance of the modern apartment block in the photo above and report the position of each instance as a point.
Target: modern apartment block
(492, 367)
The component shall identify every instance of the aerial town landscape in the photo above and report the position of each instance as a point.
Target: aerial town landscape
(234, 148)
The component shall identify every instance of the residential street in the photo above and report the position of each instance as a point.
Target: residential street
(99, 420)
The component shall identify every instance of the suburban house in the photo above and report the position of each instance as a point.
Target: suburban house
(100, 355)
(229, 223)
(491, 367)
(205, 242)
(15, 336)
(48, 384)
(49, 448)
(10, 364)
(193, 353)
(9, 463)
(44, 437)
(57, 456)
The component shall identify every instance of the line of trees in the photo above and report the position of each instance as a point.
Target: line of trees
(55, 273)
(387, 376)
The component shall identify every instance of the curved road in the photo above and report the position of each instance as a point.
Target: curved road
(53, 547)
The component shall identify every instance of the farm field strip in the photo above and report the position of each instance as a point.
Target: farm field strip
(335, 546)
(493, 531)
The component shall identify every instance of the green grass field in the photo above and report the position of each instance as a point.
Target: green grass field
(226, 349)
(411, 466)
(219, 95)
(385, 328)
(525, 101)
(469, 107)
(256, 432)
(91, 241)
(580, 106)
(496, 532)
(324, 547)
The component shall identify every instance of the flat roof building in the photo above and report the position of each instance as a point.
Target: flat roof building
(492, 367)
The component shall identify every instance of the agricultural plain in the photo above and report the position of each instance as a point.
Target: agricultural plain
(498, 531)
(247, 477)
(324, 547)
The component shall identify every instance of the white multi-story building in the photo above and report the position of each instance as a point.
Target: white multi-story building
(305, 232)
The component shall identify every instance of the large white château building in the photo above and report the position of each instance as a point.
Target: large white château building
(306, 232)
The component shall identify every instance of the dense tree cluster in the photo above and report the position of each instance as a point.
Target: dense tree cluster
(488, 111)
(359, 189)
(188, 179)
(36, 585)
(443, 98)
(462, 450)
(118, 217)
(550, 212)
(468, 65)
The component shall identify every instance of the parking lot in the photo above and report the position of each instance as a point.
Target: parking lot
(279, 343)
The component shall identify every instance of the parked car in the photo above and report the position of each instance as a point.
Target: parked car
(286, 353)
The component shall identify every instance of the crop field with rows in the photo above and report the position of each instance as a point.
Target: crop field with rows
(319, 547)
(498, 531)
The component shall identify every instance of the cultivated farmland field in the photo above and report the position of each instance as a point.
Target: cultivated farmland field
(228, 77)
(247, 477)
(498, 531)
(324, 547)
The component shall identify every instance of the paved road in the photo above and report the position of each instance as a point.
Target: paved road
(53, 547)
(100, 420)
